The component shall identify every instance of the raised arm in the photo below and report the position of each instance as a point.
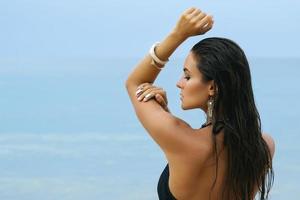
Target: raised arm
(168, 131)
(192, 22)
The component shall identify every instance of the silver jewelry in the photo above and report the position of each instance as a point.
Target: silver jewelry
(148, 96)
(210, 106)
(138, 92)
(154, 57)
(155, 65)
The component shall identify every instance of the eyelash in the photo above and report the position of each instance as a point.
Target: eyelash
(187, 78)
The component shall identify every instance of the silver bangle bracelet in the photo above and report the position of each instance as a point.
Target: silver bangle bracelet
(153, 55)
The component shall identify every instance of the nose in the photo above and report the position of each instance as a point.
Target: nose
(179, 83)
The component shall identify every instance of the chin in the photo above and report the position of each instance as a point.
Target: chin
(184, 107)
(190, 107)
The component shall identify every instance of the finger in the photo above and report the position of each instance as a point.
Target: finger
(194, 13)
(162, 102)
(188, 11)
(161, 99)
(150, 93)
(138, 92)
(163, 95)
(199, 17)
(142, 93)
(161, 92)
(208, 26)
(147, 86)
(140, 86)
(143, 85)
(143, 88)
(148, 96)
(204, 21)
(145, 93)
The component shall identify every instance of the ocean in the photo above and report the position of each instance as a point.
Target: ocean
(69, 132)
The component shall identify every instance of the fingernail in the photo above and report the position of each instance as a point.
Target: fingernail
(140, 98)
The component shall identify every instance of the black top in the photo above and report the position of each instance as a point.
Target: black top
(163, 189)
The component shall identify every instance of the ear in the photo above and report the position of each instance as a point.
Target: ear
(212, 88)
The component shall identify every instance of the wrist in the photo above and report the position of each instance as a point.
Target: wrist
(178, 36)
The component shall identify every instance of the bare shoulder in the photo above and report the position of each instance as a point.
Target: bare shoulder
(270, 142)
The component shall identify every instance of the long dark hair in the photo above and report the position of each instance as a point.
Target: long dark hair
(249, 159)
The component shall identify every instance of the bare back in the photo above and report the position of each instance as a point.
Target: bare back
(192, 180)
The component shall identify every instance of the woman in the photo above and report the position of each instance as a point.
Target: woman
(228, 157)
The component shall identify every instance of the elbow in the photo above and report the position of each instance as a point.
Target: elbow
(127, 84)
(130, 84)
(270, 142)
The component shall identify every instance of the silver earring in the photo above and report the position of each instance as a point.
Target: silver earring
(210, 106)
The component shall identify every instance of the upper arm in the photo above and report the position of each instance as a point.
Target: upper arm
(168, 131)
(270, 142)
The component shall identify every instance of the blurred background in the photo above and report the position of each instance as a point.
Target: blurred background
(67, 128)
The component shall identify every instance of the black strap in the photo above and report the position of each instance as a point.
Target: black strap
(205, 124)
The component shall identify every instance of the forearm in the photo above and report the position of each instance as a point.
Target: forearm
(144, 72)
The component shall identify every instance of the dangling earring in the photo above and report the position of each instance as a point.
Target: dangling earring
(210, 106)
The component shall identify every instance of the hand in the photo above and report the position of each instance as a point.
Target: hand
(147, 91)
(193, 22)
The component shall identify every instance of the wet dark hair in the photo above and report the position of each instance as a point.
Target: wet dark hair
(249, 158)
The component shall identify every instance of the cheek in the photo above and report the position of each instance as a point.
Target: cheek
(194, 88)
(196, 94)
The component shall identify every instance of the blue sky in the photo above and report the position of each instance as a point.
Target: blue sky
(52, 51)
(56, 55)
(32, 29)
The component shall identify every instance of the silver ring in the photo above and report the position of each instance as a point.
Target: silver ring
(148, 95)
